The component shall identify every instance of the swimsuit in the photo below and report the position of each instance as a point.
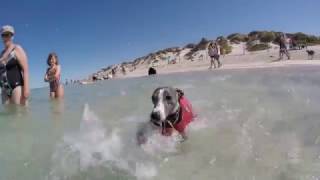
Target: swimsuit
(283, 45)
(10, 74)
(214, 52)
(53, 82)
(54, 85)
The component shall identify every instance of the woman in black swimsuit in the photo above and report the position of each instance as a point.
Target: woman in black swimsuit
(14, 70)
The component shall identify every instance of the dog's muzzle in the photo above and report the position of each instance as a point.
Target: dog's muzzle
(155, 116)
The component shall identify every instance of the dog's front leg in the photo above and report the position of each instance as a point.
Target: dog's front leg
(145, 130)
(184, 137)
(141, 134)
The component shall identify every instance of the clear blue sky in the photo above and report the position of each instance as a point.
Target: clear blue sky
(89, 35)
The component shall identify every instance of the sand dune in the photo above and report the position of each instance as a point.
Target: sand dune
(200, 61)
(236, 60)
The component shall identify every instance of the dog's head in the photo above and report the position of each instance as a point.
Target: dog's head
(166, 103)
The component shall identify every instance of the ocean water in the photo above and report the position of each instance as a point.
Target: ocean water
(251, 124)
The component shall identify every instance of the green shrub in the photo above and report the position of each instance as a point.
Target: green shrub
(300, 37)
(313, 40)
(226, 49)
(253, 33)
(237, 37)
(258, 47)
(267, 37)
(202, 45)
(191, 46)
(224, 45)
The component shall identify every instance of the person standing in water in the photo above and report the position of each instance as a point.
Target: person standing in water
(214, 53)
(14, 70)
(152, 71)
(53, 75)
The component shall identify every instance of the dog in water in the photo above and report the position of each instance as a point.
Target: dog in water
(310, 54)
(171, 112)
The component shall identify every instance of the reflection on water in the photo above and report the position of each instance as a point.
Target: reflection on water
(251, 124)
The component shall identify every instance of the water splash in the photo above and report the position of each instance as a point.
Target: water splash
(93, 147)
(158, 144)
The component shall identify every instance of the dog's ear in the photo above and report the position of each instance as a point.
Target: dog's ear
(154, 92)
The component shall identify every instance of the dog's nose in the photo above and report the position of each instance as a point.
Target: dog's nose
(155, 115)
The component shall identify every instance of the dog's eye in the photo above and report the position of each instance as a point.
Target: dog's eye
(168, 98)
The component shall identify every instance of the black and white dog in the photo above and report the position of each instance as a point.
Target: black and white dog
(171, 112)
(310, 54)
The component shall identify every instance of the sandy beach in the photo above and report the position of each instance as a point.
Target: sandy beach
(235, 60)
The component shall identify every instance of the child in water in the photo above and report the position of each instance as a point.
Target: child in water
(53, 76)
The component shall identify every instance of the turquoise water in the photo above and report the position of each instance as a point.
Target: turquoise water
(251, 124)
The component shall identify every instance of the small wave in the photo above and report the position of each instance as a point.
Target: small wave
(220, 78)
(185, 86)
(145, 171)
(197, 124)
(123, 93)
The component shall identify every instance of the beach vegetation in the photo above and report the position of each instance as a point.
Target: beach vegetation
(202, 45)
(267, 37)
(224, 45)
(258, 47)
(237, 38)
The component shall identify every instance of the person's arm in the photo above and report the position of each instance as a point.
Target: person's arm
(58, 72)
(23, 61)
(5, 53)
(46, 78)
(2, 56)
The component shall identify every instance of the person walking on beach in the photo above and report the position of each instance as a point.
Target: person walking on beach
(113, 72)
(14, 70)
(53, 75)
(244, 48)
(214, 53)
(283, 47)
(123, 69)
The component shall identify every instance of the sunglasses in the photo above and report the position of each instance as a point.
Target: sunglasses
(6, 35)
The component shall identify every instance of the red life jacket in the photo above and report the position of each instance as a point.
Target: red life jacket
(185, 118)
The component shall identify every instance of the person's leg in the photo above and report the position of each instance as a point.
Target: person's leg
(219, 63)
(52, 95)
(5, 99)
(54, 89)
(60, 92)
(16, 97)
(211, 62)
(287, 54)
(214, 62)
(280, 54)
